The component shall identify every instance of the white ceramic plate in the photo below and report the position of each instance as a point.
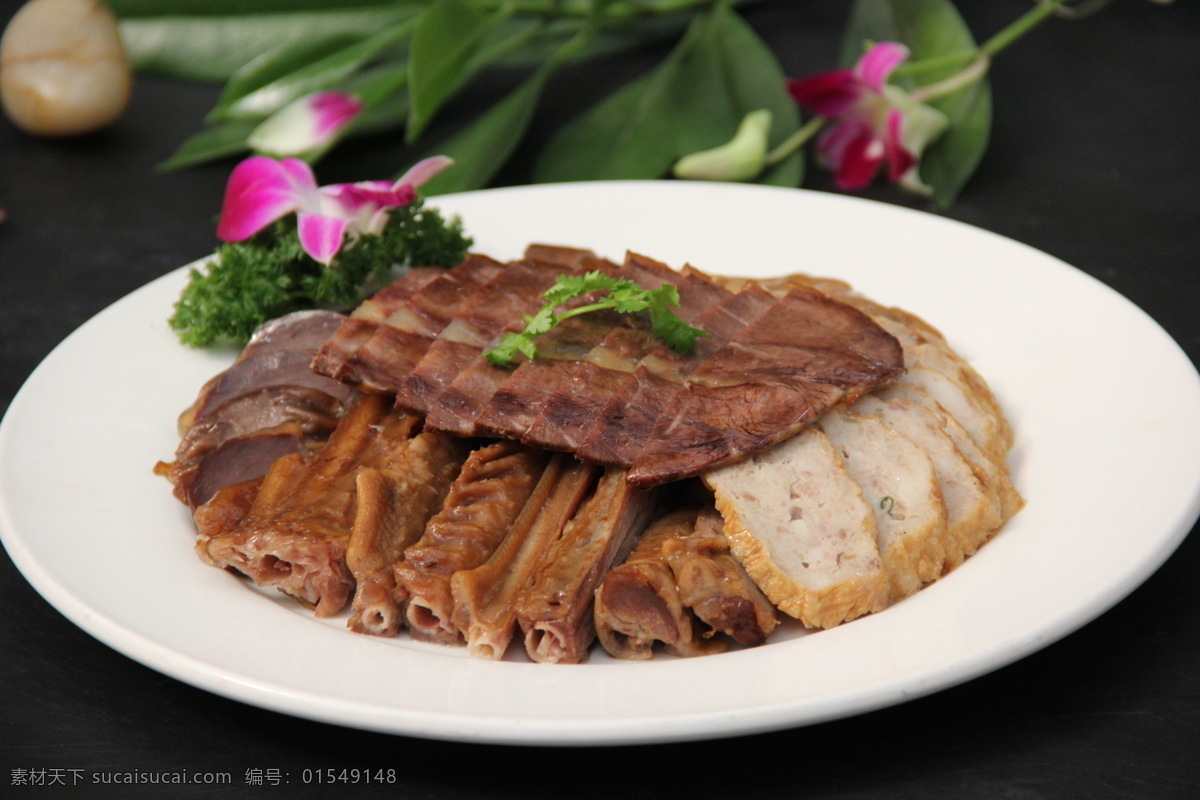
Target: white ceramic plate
(1107, 455)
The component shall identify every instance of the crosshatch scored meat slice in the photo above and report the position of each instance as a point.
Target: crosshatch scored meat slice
(601, 386)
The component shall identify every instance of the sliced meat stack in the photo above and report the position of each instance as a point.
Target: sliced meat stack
(602, 386)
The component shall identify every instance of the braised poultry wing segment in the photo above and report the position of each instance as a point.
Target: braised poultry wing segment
(480, 508)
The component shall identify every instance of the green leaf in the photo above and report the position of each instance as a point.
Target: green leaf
(482, 148)
(312, 76)
(162, 8)
(214, 48)
(278, 64)
(932, 29)
(719, 72)
(219, 141)
(446, 37)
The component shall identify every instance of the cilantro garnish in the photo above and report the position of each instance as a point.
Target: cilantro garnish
(623, 296)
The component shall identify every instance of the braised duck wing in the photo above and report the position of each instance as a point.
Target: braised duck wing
(799, 525)
(295, 533)
(638, 603)
(554, 608)
(485, 597)
(715, 586)
(396, 495)
(481, 506)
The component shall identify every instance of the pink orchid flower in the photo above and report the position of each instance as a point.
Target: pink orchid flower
(262, 190)
(306, 124)
(873, 122)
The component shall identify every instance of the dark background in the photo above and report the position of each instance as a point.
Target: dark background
(1093, 159)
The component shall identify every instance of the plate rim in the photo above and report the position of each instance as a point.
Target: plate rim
(470, 728)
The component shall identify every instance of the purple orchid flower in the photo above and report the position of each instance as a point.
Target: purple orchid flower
(306, 124)
(873, 122)
(262, 190)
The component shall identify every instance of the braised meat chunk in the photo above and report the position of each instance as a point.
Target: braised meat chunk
(266, 405)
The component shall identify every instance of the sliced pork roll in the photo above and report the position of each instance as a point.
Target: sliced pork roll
(799, 525)
(899, 483)
(972, 508)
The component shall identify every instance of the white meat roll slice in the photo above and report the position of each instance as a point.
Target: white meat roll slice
(961, 402)
(991, 468)
(972, 510)
(925, 346)
(800, 527)
(899, 483)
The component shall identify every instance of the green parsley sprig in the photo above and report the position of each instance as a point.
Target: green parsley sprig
(623, 296)
(269, 275)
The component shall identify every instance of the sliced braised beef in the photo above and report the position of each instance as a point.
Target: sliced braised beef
(601, 387)
(429, 387)
(381, 358)
(791, 365)
(617, 434)
(334, 355)
(586, 385)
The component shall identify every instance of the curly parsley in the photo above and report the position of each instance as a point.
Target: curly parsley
(269, 275)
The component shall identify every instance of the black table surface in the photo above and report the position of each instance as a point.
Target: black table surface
(1093, 159)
